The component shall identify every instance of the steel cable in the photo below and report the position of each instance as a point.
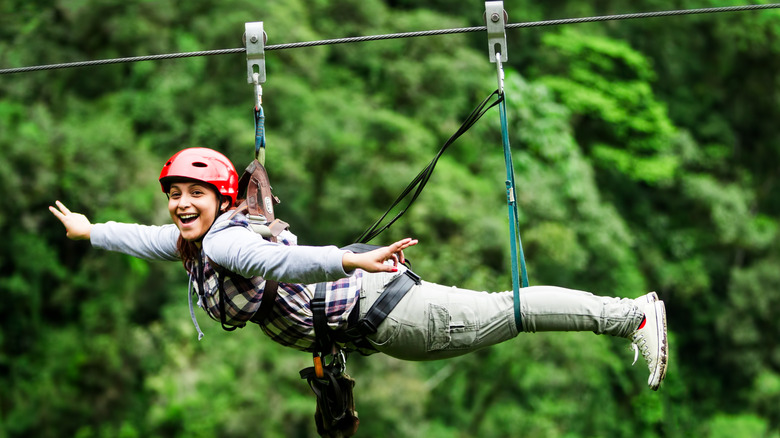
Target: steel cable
(558, 22)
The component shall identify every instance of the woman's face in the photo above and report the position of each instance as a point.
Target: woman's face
(193, 208)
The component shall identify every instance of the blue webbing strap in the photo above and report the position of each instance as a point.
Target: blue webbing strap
(495, 20)
(515, 243)
(259, 134)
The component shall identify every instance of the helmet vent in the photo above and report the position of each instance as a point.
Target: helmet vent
(199, 164)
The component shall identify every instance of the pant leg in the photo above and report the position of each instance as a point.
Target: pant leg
(436, 322)
(550, 308)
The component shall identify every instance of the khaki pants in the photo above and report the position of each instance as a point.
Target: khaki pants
(436, 322)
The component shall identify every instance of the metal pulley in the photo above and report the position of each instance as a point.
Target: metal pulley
(495, 19)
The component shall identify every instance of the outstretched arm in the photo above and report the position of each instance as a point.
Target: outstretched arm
(374, 261)
(143, 241)
(77, 226)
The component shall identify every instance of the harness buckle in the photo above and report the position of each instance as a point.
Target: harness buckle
(415, 278)
(340, 361)
(365, 327)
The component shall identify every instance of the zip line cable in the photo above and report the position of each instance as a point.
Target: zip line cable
(415, 187)
(558, 22)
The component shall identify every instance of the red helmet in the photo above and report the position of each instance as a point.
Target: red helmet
(201, 164)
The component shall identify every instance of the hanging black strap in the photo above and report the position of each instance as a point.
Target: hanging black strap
(416, 186)
(327, 389)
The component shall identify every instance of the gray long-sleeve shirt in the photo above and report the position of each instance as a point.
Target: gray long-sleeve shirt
(236, 249)
(234, 246)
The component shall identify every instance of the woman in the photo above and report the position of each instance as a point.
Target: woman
(430, 321)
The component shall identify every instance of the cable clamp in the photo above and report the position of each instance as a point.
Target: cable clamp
(254, 40)
(496, 19)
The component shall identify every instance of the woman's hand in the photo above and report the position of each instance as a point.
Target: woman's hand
(374, 261)
(77, 225)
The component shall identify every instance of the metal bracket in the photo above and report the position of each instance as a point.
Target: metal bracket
(495, 19)
(254, 39)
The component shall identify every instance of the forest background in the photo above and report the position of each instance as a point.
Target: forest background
(646, 154)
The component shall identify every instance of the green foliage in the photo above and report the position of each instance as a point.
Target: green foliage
(645, 154)
(607, 85)
(723, 426)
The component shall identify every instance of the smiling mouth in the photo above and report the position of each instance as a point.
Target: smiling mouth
(187, 218)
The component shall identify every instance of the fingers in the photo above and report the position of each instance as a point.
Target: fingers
(376, 260)
(56, 212)
(403, 244)
(62, 207)
(62, 212)
(397, 248)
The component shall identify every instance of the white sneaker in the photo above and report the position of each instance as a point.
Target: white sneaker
(651, 339)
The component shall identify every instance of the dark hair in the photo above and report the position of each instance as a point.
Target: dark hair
(189, 253)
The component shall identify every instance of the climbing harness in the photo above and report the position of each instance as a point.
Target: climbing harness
(353, 338)
(241, 303)
(335, 413)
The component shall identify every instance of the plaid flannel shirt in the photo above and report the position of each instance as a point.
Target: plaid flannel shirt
(290, 322)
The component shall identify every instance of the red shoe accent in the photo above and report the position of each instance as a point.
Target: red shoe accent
(642, 324)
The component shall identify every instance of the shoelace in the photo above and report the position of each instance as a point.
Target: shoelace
(637, 341)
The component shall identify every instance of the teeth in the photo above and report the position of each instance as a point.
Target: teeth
(188, 216)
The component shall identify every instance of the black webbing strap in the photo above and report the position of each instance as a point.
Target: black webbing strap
(328, 390)
(267, 303)
(390, 297)
(324, 341)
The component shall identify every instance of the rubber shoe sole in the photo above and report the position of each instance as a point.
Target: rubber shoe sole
(659, 373)
(655, 327)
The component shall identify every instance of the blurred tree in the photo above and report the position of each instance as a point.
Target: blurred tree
(646, 157)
